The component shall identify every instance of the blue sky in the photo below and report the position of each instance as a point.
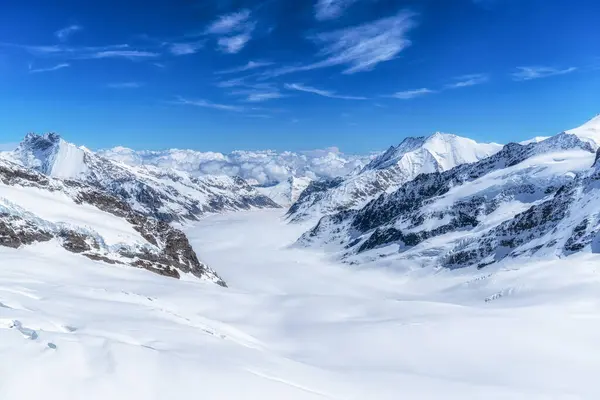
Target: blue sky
(295, 75)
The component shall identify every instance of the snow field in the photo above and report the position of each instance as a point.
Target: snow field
(293, 325)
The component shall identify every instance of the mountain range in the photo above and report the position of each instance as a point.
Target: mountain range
(386, 172)
(526, 200)
(442, 201)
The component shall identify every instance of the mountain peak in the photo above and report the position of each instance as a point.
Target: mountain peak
(35, 140)
(50, 154)
(589, 132)
(442, 135)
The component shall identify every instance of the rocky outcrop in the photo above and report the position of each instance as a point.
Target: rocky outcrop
(167, 250)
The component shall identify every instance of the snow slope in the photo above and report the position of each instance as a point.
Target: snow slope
(294, 325)
(589, 132)
(265, 167)
(57, 207)
(400, 164)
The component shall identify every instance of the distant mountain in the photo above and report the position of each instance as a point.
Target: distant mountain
(265, 168)
(535, 199)
(399, 164)
(162, 193)
(286, 192)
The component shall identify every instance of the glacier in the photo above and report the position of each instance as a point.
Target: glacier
(446, 269)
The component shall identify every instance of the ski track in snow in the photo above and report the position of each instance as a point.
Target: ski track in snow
(293, 325)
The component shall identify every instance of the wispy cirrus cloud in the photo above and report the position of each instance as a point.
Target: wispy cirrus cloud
(250, 65)
(66, 32)
(229, 23)
(48, 69)
(255, 93)
(331, 9)
(125, 85)
(185, 48)
(128, 54)
(86, 52)
(537, 72)
(359, 48)
(245, 85)
(234, 44)
(235, 31)
(208, 104)
(229, 83)
(320, 92)
(410, 94)
(263, 96)
(468, 80)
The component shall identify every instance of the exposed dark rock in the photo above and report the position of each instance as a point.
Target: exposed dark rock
(171, 251)
(76, 242)
(16, 232)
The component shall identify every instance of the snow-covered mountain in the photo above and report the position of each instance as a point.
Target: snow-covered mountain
(257, 167)
(162, 193)
(589, 132)
(285, 193)
(86, 220)
(399, 164)
(534, 199)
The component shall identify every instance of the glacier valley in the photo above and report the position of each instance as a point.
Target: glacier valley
(440, 268)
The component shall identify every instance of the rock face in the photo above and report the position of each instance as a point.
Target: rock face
(31, 201)
(525, 199)
(387, 172)
(164, 194)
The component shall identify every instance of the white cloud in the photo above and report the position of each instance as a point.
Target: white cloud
(233, 44)
(250, 65)
(360, 48)
(229, 23)
(468, 80)
(181, 49)
(209, 104)
(64, 33)
(263, 96)
(409, 94)
(262, 116)
(125, 85)
(129, 54)
(529, 73)
(87, 52)
(229, 83)
(234, 29)
(331, 9)
(49, 69)
(258, 93)
(320, 92)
